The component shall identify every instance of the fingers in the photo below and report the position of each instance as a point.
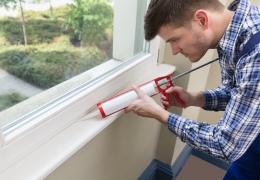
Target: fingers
(165, 100)
(164, 97)
(170, 90)
(177, 89)
(133, 106)
(139, 92)
(129, 108)
(165, 103)
(172, 97)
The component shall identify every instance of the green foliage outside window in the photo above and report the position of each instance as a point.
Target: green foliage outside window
(10, 99)
(46, 66)
(38, 30)
(6, 3)
(89, 19)
(51, 55)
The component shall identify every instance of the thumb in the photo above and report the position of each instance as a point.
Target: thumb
(177, 89)
(169, 90)
(138, 91)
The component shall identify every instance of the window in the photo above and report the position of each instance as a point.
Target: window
(49, 48)
(32, 122)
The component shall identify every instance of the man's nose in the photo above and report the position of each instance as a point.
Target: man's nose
(175, 49)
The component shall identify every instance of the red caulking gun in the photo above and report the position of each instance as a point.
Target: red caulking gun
(151, 88)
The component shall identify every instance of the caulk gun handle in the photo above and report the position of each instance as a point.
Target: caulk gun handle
(169, 83)
(176, 96)
(166, 94)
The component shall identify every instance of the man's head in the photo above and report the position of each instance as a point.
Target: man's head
(182, 23)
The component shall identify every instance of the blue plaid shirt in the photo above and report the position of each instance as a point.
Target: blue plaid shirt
(239, 95)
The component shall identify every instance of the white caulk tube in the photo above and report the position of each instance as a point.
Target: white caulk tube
(121, 101)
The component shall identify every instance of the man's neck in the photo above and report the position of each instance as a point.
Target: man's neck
(221, 26)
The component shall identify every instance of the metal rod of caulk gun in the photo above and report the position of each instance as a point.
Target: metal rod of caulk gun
(187, 72)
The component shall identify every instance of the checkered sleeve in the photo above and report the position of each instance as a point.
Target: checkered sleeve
(240, 125)
(217, 99)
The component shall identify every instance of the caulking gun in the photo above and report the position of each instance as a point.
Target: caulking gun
(151, 88)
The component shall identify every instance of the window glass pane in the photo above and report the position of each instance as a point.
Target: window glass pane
(50, 47)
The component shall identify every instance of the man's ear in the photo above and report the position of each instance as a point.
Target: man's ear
(202, 18)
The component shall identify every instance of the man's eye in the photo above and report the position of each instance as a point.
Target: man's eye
(173, 40)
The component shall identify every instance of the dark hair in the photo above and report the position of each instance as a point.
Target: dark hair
(176, 12)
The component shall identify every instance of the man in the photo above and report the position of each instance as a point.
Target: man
(192, 27)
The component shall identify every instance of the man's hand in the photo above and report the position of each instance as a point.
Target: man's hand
(189, 99)
(145, 106)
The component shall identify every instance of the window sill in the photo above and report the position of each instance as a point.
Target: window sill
(54, 151)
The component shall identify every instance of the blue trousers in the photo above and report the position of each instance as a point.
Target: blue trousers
(247, 167)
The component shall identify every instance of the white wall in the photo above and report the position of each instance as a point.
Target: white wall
(121, 151)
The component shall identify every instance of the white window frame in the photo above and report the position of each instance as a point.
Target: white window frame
(46, 124)
(66, 114)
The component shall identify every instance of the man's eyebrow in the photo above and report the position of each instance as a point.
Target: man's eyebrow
(171, 39)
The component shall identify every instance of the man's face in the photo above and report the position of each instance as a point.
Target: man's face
(191, 41)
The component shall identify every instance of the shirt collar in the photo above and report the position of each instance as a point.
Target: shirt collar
(227, 43)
